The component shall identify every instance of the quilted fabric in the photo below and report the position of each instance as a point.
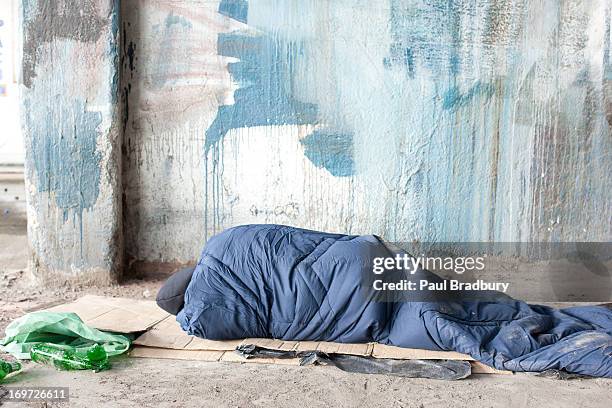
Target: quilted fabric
(293, 284)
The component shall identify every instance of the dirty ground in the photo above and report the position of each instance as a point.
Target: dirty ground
(174, 383)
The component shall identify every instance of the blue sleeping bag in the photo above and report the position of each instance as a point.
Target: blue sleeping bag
(286, 283)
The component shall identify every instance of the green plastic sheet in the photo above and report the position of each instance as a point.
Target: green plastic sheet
(63, 329)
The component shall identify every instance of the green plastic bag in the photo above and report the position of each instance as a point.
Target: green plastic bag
(58, 328)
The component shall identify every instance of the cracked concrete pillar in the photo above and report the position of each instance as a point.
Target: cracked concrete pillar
(71, 122)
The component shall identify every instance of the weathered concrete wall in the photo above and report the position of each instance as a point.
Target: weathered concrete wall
(70, 81)
(173, 83)
(415, 120)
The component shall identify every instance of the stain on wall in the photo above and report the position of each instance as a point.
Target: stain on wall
(48, 21)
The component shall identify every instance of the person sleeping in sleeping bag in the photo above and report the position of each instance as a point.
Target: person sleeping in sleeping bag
(274, 281)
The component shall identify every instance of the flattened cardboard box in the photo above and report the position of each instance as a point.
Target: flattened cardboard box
(163, 337)
(167, 334)
(118, 315)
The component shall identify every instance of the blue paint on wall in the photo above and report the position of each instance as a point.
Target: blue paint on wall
(114, 51)
(461, 103)
(236, 9)
(332, 151)
(172, 19)
(431, 31)
(265, 75)
(265, 96)
(454, 98)
(402, 56)
(66, 159)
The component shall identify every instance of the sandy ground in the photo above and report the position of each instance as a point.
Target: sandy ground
(170, 383)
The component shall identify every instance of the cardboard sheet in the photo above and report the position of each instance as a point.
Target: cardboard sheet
(230, 356)
(163, 337)
(118, 315)
(167, 334)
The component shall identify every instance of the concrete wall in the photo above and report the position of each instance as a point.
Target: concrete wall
(173, 83)
(71, 125)
(415, 120)
(434, 121)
